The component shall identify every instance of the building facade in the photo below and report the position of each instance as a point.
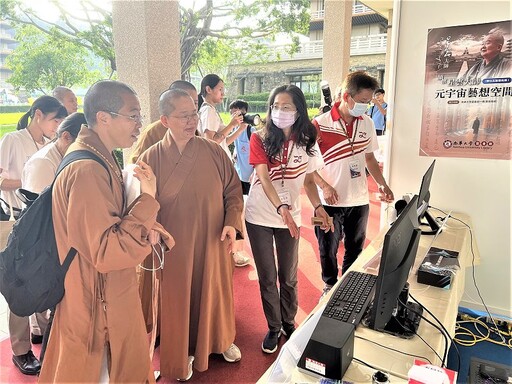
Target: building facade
(304, 67)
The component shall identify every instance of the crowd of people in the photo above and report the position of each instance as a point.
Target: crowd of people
(196, 201)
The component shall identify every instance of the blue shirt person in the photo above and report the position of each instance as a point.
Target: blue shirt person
(378, 111)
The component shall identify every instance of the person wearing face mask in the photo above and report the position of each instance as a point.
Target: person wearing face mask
(347, 140)
(284, 155)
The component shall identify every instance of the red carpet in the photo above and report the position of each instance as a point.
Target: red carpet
(250, 321)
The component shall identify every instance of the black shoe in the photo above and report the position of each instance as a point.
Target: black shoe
(287, 329)
(270, 342)
(36, 339)
(27, 363)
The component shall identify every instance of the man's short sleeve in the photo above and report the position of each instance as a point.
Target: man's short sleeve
(316, 162)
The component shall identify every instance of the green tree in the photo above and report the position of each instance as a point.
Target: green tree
(43, 61)
(250, 20)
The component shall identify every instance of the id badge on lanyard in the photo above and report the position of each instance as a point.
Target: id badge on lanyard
(285, 196)
(355, 168)
(354, 164)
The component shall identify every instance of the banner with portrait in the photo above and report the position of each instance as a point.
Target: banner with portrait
(468, 92)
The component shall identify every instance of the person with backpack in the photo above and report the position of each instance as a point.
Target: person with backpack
(378, 111)
(35, 129)
(98, 332)
(242, 135)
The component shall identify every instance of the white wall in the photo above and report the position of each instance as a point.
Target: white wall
(480, 188)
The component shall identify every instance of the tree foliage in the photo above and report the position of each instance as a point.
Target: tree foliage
(43, 61)
(252, 21)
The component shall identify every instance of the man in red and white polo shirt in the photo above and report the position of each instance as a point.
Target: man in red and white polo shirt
(347, 140)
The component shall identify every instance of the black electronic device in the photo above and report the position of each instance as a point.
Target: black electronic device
(423, 200)
(390, 312)
(484, 371)
(326, 91)
(253, 120)
(330, 349)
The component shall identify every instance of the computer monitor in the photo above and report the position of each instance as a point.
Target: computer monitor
(423, 200)
(388, 313)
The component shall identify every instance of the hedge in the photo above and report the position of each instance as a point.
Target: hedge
(14, 108)
(258, 101)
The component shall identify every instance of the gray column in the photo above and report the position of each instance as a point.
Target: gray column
(388, 50)
(337, 33)
(147, 45)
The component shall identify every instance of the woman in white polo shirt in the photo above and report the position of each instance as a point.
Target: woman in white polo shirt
(284, 156)
(35, 129)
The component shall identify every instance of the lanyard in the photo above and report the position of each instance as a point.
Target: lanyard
(345, 132)
(285, 161)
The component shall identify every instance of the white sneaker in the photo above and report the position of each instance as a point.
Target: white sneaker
(190, 369)
(233, 354)
(240, 259)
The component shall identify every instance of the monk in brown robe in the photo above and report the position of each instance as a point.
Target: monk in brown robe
(156, 131)
(98, 331)
(201, 203)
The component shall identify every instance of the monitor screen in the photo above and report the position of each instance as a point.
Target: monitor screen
(423, 200)
(424, 194)
(398, 255)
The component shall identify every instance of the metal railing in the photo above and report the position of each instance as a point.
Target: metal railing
(356, 9)
(359, 45)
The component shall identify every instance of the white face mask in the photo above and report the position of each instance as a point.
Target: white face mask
(359, 109)
(283, 119)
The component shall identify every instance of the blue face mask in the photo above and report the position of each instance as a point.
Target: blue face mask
(283, 119)
(359, 109)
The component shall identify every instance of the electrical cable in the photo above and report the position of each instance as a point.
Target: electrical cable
(443, 328)
(473, 269)
(364, 363)
(443, 361)
(422, 339)
(460, 330)
(393, 349)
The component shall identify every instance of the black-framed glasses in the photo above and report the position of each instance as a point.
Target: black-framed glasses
(186, 119)
(137, 118)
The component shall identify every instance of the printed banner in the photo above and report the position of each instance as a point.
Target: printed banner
(468, 92)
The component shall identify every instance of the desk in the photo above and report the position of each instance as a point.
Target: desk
(443, 303)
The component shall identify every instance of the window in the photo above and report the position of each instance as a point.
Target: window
(241, 86)
(307, 83)
(259, 84)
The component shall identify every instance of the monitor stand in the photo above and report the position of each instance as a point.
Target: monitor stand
(406, 322)
(432, 223)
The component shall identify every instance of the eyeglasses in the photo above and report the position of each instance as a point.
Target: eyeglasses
(284, 108)
(186, 119)
(137, 118)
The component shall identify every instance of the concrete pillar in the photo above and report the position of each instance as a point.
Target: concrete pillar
(388, 50)
(147, 46)
(337, 33)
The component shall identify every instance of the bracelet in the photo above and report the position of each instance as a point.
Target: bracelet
(318, 206)
(282, 205)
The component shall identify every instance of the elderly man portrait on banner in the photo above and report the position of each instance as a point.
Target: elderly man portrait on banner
(493, 62)
(200, 196)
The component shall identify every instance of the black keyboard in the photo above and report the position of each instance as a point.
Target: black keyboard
(349, 301)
